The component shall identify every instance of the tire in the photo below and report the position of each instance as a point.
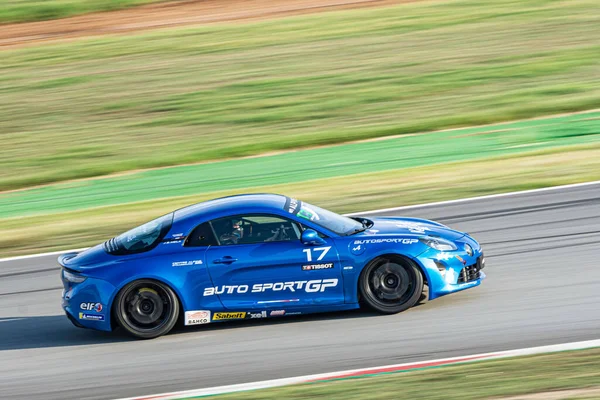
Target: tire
(391, 285)
(424, 298)
(146, 309)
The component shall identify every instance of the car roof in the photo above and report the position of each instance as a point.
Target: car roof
(258, 201)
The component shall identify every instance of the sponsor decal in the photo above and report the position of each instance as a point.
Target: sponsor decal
(459, 258)
(186, 263)
(197, 317)
(293, 313)
(253, 315)
(177, 235)
(91, 317)
(412, 227)
(357, 248)
(172, 241)
(97, 307)
(349, 267)
(384, 240)
(312, 286)
(277, 313)
(313, 267)
(219, 316)
(292, 205)
(371, 231)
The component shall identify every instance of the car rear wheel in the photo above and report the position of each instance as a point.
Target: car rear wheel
(146, 309)
(391, 285)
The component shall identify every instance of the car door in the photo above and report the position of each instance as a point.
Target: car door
(261, 263)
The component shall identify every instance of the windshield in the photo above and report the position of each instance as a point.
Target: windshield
(140, 239)
(324, 218)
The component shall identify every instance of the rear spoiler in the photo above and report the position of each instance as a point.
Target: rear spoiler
(64, 258)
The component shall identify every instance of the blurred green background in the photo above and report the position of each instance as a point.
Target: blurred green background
(254, 103)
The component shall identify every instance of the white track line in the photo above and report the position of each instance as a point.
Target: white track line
(366, 371)
(487, 197)
(438, 203)
(52, 253)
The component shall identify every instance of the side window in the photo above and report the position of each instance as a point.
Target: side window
(249, 229)
(202, 235)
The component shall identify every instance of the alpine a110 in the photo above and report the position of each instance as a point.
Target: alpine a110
(262, 256)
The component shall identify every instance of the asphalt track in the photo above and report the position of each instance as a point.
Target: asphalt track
(542, 253)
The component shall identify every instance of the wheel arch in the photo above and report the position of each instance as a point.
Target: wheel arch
(113, 321)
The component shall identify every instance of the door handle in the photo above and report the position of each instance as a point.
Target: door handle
(225, 260)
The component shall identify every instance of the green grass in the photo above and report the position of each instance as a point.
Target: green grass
(360, 192)
(481, 380)
(99, 106)
(308, 165)
(38, 10)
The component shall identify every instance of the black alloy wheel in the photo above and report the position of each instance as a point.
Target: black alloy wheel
(391, 285)
(146, 308)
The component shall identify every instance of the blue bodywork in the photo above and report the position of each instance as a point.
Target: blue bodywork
(263, 279)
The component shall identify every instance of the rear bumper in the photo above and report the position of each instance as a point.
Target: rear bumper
(87, 304)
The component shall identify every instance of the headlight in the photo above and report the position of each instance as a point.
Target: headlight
(468, 249)
(438, 244)
(70, 277)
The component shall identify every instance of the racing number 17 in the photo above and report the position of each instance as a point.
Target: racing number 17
(323, 251)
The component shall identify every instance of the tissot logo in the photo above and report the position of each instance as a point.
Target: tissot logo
(312, 267)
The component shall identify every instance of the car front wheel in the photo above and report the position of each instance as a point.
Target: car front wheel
(146, 309)
(391, 285)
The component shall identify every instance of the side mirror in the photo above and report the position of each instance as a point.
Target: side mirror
(312, 238)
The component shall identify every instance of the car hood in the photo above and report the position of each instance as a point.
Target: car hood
(410, 226)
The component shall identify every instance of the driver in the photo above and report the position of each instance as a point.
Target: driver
(234, 234)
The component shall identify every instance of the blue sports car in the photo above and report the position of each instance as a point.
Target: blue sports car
(261, 256)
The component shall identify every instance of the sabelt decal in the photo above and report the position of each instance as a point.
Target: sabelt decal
(277, 313)
(312, 286)
(313, 267)
(91, 317)
(219, 316)
(197, 317)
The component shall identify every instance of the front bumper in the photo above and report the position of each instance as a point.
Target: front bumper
(453, 271)
(87, 304)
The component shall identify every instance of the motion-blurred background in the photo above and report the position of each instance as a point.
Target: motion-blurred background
(111, 114)
(114, 112)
